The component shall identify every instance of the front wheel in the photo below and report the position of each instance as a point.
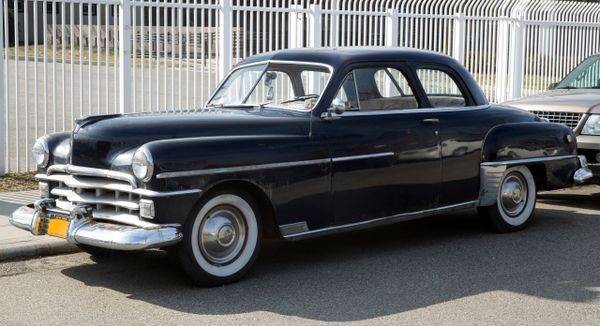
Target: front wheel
(515, 201)
(222, 240)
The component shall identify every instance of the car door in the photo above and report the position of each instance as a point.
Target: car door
(385, 152)
(462, 126)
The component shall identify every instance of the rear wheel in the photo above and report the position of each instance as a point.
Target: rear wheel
(515, 201)
(222, 240)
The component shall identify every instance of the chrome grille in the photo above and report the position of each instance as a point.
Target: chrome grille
(570, 119)
(112, 199)
(104, 194)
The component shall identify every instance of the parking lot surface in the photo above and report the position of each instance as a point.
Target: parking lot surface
(446, 269)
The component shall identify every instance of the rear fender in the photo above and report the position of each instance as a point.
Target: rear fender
(547, 149)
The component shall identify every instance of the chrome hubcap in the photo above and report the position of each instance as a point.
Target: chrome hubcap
(222, 235)
(513, 194)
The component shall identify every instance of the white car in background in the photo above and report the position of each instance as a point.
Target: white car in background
(575, 102)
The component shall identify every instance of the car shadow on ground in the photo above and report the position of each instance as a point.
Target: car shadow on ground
(379, 272)
(588, 201)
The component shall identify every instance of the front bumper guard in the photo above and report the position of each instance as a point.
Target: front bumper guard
(83, 229)
(583, 173)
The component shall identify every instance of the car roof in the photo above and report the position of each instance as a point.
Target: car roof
(341, 56)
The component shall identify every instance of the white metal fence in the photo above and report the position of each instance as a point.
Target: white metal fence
(62, 59)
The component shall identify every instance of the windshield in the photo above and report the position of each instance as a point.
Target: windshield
(585, 75)
(287, 86)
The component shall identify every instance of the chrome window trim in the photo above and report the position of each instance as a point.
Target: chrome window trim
(417, 110)
(530, 160)
(256, 167)
(379, 221)
(267, 62)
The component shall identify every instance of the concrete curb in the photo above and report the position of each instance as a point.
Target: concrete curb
(47, 247)
(20, 244)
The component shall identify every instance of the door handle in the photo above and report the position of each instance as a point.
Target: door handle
(430, 121)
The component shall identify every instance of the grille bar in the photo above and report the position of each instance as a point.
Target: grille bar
(570, 119)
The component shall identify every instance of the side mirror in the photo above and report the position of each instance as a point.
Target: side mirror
(552, 86)
(337, 106)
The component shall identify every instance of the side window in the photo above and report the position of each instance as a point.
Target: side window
(383, 89)
(347, 93)
(440, 88)
(376, 89)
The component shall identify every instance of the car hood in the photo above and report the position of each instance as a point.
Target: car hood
(109, 141)
(562, 100)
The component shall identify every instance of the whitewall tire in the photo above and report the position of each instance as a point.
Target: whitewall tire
(515, 201)
(221, 241)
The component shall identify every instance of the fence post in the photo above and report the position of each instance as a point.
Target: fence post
(295, 29)
(516, 58)
(458, 51)
(391, 27)
(501, 59)
(333, 24)
(125, 56)
(314, 26)
(3, 91)
(225, 32)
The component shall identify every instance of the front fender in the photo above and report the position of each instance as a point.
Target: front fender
(195, 162)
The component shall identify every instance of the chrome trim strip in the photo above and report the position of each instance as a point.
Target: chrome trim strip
(245, 168)
(151, 193)
(256, 167)
(379, 221)
(529, 160)
(361, 157)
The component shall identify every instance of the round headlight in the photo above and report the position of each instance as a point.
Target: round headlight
(142, 164)
(40, 153)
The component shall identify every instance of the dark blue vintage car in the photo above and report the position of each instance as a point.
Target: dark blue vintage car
(296, 144)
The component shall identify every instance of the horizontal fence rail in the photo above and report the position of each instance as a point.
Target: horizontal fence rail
(63, 59)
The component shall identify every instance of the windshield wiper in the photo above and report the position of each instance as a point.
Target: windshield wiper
(300, 98)
(567, 87)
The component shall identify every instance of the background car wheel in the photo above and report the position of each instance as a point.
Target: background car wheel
(222, 240)
(515, 202)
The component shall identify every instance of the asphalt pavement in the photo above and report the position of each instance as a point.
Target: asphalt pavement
(443, 270)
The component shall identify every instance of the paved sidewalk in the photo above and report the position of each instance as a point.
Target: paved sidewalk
(16, 243)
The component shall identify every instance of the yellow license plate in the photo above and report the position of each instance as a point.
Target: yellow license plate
(57, 227)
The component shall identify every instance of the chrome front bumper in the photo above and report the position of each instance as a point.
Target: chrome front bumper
(83, 229)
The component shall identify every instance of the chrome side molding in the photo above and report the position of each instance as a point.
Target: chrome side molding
(257, 167)
(529, 160)
(378, 222)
